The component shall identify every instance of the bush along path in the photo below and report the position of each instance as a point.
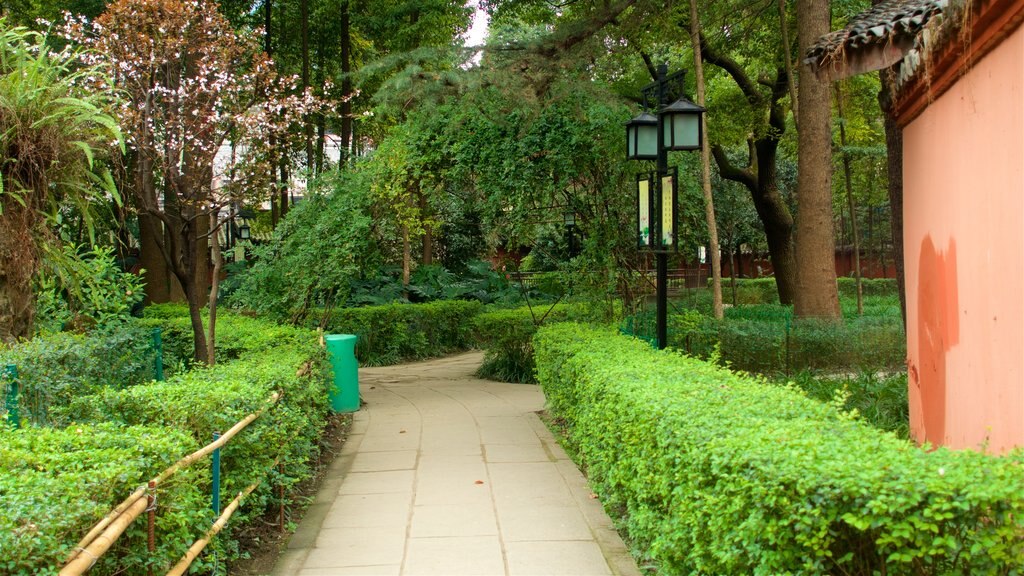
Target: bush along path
(55, 483)
(715, 473)
(444, 474)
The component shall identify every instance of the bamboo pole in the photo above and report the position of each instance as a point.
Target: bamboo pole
(209, 448)
(102, 524)
(197, 547)
(103, 535)
(88, 556)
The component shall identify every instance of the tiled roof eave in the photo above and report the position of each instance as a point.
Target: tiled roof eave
(874, 39)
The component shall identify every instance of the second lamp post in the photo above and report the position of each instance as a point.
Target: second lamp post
(677, 126)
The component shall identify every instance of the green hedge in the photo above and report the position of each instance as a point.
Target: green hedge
(506, 335)
(721, 474)
(394, 333)
(259, 358)
(766, 338)
(55, 484)
(765, 291)
(205, 400)
(55, 368)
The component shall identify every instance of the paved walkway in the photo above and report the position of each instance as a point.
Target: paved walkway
(447, 474)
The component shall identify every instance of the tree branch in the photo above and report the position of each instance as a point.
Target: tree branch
(712, 56)
(730, 171)
(583, 30)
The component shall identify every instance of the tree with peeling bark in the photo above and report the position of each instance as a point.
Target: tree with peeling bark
(818, 295)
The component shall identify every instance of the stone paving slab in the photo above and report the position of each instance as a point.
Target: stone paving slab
(447, 474)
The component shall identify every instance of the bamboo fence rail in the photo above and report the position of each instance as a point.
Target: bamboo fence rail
(103, 535)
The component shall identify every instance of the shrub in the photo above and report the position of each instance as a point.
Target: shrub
(879, 399)
(394, 333)
(764, 291)
(55, 368)
(236, 334)
(718, 473)
(870, 286)
(766, 339)
(55, 484)
(205, 400)
(85, 289)
(315, 253)
(507, 337)
(188, 408)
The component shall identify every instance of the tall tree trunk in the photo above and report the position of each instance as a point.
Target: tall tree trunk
(786, 47)
(850, 202)
(705, 162)
(18, 262)
(320, 120)
(268, 47)
(346, 84)
(759, 175)
(218, 261)
(152, 237)
(284, 188)
(307, 127)
(894, 148)
(818, 295)
(428, 233)
(406, 257)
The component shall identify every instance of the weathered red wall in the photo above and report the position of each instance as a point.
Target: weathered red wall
(964, 254)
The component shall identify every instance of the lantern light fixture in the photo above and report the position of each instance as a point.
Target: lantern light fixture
(642, 137)
(682, 126)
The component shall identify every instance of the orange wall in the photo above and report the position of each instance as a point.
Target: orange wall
(964, 253)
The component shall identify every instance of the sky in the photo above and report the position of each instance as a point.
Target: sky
(478, 30)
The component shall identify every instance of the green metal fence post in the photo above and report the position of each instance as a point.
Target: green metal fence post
(215, 504)
(158, 349)
(13, 414)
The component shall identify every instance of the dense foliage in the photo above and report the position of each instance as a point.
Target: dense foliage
(53, 131)
(56, 483)
(120, 436)
(715, 473)
(84, 290)
(392, 333)
(56, 368)
(768, 339)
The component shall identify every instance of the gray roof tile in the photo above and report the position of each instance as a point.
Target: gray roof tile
(891, 21)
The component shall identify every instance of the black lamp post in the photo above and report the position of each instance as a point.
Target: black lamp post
(676, 127)
(569, 218)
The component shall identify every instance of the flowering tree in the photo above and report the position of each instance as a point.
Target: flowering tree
(191, 83)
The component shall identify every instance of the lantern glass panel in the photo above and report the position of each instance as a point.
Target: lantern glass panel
(682, 131)
(642, 137)
(647, 141)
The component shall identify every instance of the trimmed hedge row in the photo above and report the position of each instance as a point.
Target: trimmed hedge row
(55, 484)
(190, 407)
(764, 290)
(54, 368)
(860, 344)
(395, 333)
(716, 473)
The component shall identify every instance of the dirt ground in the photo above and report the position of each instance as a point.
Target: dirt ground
(263, 540)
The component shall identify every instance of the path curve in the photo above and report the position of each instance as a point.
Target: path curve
(447, 474)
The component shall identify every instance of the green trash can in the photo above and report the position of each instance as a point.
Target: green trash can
(344, 391)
